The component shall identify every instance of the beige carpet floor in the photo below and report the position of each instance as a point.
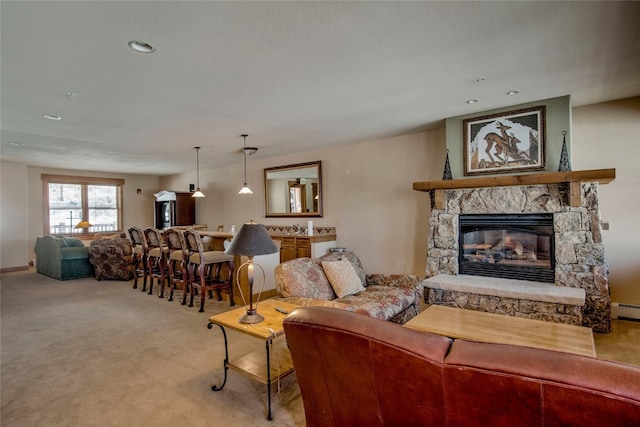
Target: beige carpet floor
(89, 353)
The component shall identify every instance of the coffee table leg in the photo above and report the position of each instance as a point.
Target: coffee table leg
(226, 361)
(269, 418)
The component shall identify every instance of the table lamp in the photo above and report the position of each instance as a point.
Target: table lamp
(251, 240)
(83, 224)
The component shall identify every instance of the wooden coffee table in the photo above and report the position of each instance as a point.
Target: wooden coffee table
(497, 328)
(258, 364)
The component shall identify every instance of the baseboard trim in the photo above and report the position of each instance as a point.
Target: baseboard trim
(625, 311)
(10, 269)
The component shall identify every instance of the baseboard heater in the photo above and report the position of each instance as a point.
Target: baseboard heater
(625, 311)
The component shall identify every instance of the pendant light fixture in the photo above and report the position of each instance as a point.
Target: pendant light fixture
(246, 150)
(198, 193)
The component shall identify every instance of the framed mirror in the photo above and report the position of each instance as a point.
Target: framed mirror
(294, 190)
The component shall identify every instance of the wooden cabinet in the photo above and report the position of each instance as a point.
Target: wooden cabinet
(185, 209)
(292, 247)
(181, 211)
(288, 249)
(303, 247)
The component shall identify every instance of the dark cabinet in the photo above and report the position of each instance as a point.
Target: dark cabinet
(185, 209)
(181, 211)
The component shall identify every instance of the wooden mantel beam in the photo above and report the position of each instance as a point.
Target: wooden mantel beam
(574, 178)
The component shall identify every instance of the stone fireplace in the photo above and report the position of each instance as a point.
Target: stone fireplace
(575, 288)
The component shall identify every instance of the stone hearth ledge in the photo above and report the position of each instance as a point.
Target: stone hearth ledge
(507, 288)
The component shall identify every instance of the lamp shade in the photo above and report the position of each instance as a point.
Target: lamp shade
(245, 190)
(252, 240)
(246, 150)
(197, 193)
(83, 224)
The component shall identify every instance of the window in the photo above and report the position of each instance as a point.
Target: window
(68, 200)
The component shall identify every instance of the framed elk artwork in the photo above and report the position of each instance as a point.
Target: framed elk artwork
(507, 142)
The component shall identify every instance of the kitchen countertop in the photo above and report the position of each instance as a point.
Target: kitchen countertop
(313, 239)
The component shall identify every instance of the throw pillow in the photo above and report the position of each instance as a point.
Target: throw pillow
(303, 277)
(343, 277)
(352, 257)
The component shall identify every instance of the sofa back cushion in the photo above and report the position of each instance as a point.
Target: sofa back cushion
(542, 387)
(357, 371)
(70, 242)
(303, 277)
(353, 259)
(400, 377)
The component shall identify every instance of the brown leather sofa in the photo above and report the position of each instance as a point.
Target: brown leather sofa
(354, 370)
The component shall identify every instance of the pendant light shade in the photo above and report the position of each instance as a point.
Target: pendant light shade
(245, 189)
(197, 193)
(246, 150)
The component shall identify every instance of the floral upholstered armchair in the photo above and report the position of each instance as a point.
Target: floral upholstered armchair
(338, 280)
(112, 258)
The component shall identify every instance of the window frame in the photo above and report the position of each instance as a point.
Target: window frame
(84, 181)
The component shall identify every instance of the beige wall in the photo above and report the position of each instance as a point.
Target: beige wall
(607, 135)
(137, 208)
(557, 120)
(14, 230)
(368, 195)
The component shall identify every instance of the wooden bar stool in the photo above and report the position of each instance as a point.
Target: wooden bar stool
(156, 259)
(177, 261)
(208, 270)
(139, 245)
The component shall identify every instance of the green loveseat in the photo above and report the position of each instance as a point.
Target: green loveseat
(62, 258)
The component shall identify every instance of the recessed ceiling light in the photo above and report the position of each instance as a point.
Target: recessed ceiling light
(72, 94)
(513, 92)
(141, 46)
(481, 79)
(51, 117)
(473, 101)
(16, 144)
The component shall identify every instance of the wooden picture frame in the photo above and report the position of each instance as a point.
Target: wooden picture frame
(512, 141)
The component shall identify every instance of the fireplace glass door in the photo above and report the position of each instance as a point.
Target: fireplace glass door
(507, 246)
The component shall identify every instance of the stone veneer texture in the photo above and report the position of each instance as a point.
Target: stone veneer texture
(579, 251)
(538, 310)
